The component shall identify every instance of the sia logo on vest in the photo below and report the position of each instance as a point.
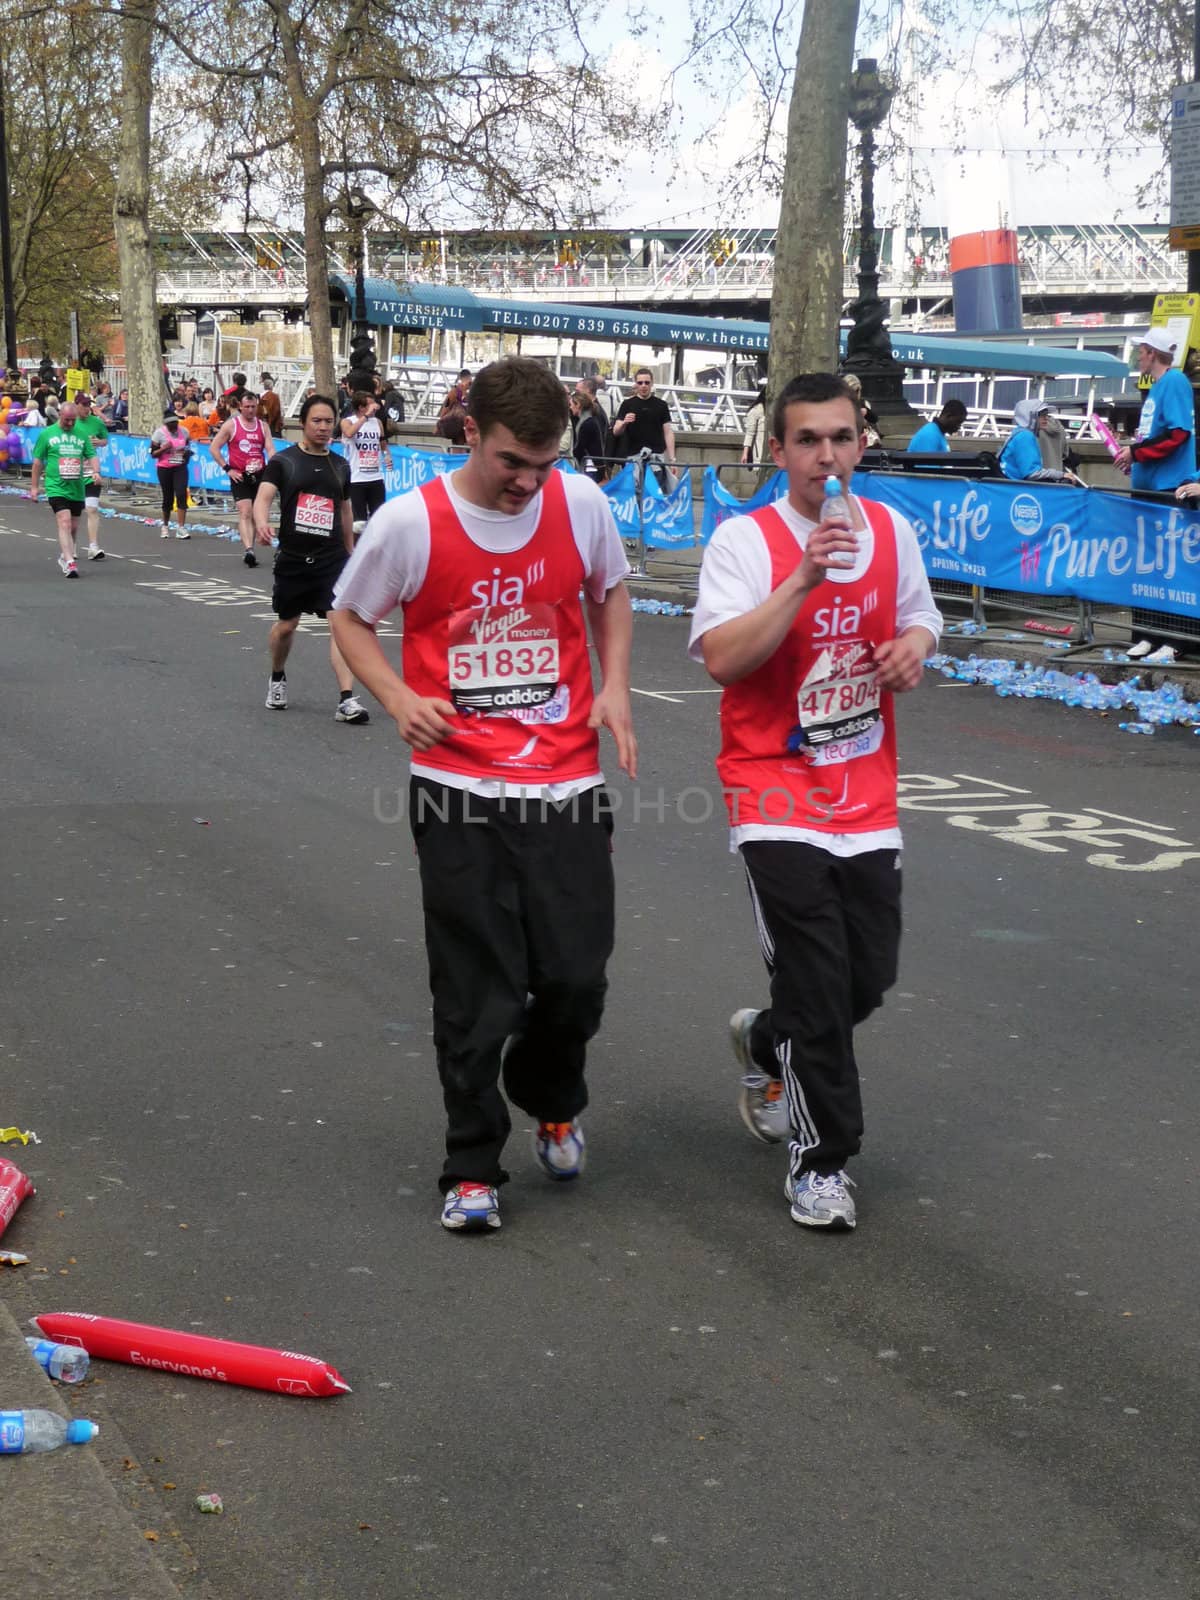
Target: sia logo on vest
(506, 591)
(843, 622)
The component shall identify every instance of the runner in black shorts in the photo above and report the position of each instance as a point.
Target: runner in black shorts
(315, 540)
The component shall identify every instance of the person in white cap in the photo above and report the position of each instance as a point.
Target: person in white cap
(1163, 452)
(1162, 456)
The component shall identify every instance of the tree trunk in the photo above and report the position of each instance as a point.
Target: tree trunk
(807, 297)
(131, 218)
(306, 127)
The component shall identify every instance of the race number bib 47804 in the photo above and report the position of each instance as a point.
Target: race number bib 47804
(838, 706)
(504, 660)
(314, 514)
(368, 458)
(69, 467)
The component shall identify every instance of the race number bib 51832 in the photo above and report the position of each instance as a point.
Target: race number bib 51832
(69, 467)
(368, 458)
(314, 514)
(838, 705)
(503, 660)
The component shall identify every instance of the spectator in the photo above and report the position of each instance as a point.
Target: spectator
(870, 420)
(236, 390)
(1163, 452)
(207, 403)
(754, 440)
(589, 434)
(120, 413)
(931, 439)
(644, 420)
(452, 418)
(392, 408)
(269, 407)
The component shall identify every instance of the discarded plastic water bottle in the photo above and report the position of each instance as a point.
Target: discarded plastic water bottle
(1136, 727)
(836, 508)
(34, 1432)
(66, 1362)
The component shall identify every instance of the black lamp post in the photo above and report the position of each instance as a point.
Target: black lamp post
(868, 346)
(362, 352)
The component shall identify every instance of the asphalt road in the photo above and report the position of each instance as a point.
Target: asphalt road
(652, 1383)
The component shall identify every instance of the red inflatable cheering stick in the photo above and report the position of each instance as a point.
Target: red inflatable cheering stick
(14, 1187)
(192, 1355)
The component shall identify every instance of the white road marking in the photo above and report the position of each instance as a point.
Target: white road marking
(652, 695)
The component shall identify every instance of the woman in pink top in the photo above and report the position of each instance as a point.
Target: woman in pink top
(172, 450)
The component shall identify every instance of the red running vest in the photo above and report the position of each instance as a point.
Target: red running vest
(809, 735)
(247, 447)
(503, 637)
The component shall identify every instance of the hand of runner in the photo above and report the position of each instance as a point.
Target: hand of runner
(233, 475)
(422, 723)
(830, 545)
(901, 662)
(612, 709)
(264, 535)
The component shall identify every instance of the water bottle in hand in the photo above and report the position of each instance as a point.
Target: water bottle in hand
(33, 1432)
(836, 508)
(66, 1362)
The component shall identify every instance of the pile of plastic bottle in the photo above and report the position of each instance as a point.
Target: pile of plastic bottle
(661, 608)
(1153, 708)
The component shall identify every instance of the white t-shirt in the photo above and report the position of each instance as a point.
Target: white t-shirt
(735, 577)
(364, 451)
(391, 560)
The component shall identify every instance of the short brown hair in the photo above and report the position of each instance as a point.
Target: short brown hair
(812, 388)
(521, 395)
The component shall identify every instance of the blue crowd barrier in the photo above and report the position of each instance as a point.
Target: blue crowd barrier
(1044, 540)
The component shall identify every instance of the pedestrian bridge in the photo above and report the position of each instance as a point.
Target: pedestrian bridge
(1075, 266)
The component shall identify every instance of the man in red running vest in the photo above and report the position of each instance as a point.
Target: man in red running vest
(811, 626)
(511, 822)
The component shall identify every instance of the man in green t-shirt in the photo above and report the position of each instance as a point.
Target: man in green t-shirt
(93, 427)
(63, 456)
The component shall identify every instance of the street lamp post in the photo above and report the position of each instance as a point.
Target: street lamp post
(362, 352)
(868, 345)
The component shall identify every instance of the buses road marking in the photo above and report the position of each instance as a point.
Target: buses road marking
(974, 804)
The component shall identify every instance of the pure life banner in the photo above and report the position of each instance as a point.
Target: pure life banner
(1050, 540)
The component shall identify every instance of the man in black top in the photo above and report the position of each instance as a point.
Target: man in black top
(315, 540)
(644, 420)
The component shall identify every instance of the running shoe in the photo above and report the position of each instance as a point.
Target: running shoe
(820, 1200)
(1142, 648)
(1164, 656)
(95, 553)
(351, 710)
(560, 1149)
(250, 558)
(71, 570)
(474, 1206)
(182, 533)
(760, 1098)
(277, 695)
(166, 532)
(64, 566)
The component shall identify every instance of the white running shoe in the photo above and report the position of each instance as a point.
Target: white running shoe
(277, 695)
(182, 533)
(560, 1149)
(821, 1200)
(166, 532)
(473, 1206)
(64, 566)
(351, 710)
(1142, 648)
(760, 1098)
(1164, 656)
(95, 553)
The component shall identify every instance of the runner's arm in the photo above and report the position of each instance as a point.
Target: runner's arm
(35, 478)
(669, 441)
(611, 622)
(264, 499)
(222, 436)
(347, 516)
(734, 649)
(268, 443)
(422, 723)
